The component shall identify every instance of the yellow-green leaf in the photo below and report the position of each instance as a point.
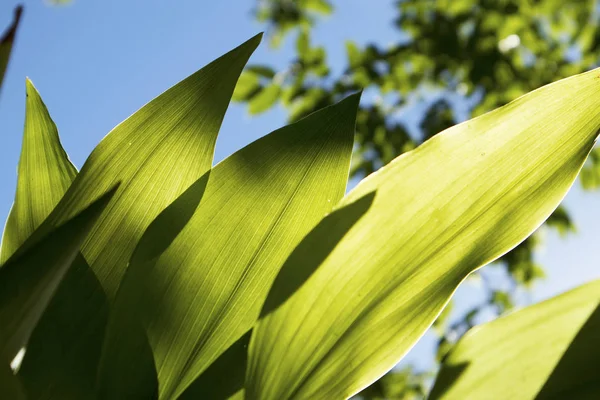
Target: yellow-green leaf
(545, 351)
(205, 291)
(459, 201)
(44, 175)
(157, 153)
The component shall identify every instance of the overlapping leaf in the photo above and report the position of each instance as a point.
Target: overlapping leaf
(545, 351)
(459, 201)
(44, 175)
(30, 278)
(206, 290)
(156, 153)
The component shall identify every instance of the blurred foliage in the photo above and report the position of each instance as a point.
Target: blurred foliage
(398, 384)
(283, 16)
(453, 54)
(58, 2)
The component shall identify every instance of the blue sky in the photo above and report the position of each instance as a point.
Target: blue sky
(96, 62)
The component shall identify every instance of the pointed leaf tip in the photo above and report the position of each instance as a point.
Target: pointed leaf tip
(352, 101)
(10, 32)
(30, 87)
(348, 104)
(258, 37)
(6, 41)
(18, 11)
(44, 174)
(246, 48)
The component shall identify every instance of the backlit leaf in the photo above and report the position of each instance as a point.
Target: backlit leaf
(459, 201)
(545, 351)
(206, 290)
(157, 153)
(44, 175)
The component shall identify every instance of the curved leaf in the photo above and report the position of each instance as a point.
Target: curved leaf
(156, 153)
(545, 351)
(30, 278)
(459, 201)
(206, 290)
(44, 175)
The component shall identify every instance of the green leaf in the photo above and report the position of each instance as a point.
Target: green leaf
(29, 278)
(319, 6)
(459, 201)
(119, 377)
(261, 70)
(264, 99)
(205, 291)
(157, 153)
(64, 349)
(44, 175)
(354, 54)
(6, 42)
(303, 43)
(10, 387)
(545, 351)
(225, 377)
(247, 85)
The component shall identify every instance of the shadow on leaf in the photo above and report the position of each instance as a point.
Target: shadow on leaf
(225, 376)
(119, 376)
(313, 250)
(577, 375)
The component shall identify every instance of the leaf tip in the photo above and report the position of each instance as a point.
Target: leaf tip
(9, 34)
(258, 37)
(350, 104)
(353, 99)
(30, 88)
(253, 42)
(18, 12)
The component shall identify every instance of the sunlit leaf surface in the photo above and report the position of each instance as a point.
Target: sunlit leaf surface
(206, 290)
(44, 175)
(461, 200)
(156, 154)
(545, 351)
